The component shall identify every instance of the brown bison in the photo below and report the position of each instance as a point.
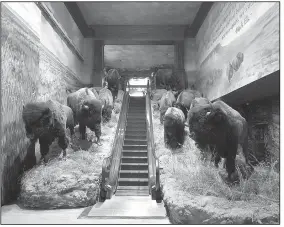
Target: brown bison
(107, 101)
(219, 125)
(164, 78)
(87, 111)
(174, 128)
(47, 121)
(93, 89)
(157, 94)
(113, 81)
(167, 100)
(199, 101)
(184, 100)
(118, 101)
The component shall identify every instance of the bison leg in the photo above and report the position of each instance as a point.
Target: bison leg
(98, 133)
(71, 128)
(30, 159)
(231, 169)
(44, 147)
(217, 160)
(63, 143)
(82, 129)
(181, 134)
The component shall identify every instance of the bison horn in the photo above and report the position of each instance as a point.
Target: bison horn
(85, 107)
(208, 113)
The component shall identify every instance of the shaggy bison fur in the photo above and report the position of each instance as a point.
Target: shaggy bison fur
(95, 92)
(87, 111)
(107, 101)
(47, 121)
(219, 125)
(164, 78)
(167, 100)
(113, 82)
(199, 101)
(184, 100)
(174, 128)
(118, 101)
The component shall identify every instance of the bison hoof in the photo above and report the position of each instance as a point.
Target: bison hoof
(99, 142)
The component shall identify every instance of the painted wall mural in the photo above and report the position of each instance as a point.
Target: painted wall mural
(29, 72)
(237, 44)
(138, 56)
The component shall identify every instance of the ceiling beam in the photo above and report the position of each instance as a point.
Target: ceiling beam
(192, 30)
(78, 17)
(138, 42)
(139, 32)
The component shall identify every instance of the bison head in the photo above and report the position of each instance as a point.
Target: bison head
(91, 110)
(215, 116)
(38, 119)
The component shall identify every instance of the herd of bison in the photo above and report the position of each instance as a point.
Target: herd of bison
(214, 126)
(47, 121)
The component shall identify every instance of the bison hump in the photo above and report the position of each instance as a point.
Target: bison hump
(175, 113)
(59, 111)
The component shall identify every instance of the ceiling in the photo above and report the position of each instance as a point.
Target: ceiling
(139, 13)
(120, 21)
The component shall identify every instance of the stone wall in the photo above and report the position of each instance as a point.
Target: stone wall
(31, 70)
(237, 44)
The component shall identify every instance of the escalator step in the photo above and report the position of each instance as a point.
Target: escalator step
(133, 181)
(131, 193)
(133, 173)
(134, 166)
(135, 142)
(133, 159)
(134, 153)
(134, 147)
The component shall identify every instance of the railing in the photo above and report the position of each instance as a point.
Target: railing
(110, 168)
(153, 161)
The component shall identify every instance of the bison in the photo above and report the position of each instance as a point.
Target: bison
(164, 78)
(167, 100)
(113, 81)
(174, 127)
(87, 111)
(47, 121)
(219, 125)
(157, 94)
(93, 89)
(118, 101)
(107, 101)
(184, 100)
(199, 101)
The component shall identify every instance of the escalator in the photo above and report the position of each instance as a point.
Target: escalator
(133, 173)
(132, 169)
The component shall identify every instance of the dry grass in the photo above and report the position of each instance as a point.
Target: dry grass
(195, 176)
(73, 182)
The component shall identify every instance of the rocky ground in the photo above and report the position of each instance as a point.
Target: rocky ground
(69, 183)
(195, 193)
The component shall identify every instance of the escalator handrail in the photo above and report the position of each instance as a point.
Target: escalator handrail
(114, 159)
(154, 170)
